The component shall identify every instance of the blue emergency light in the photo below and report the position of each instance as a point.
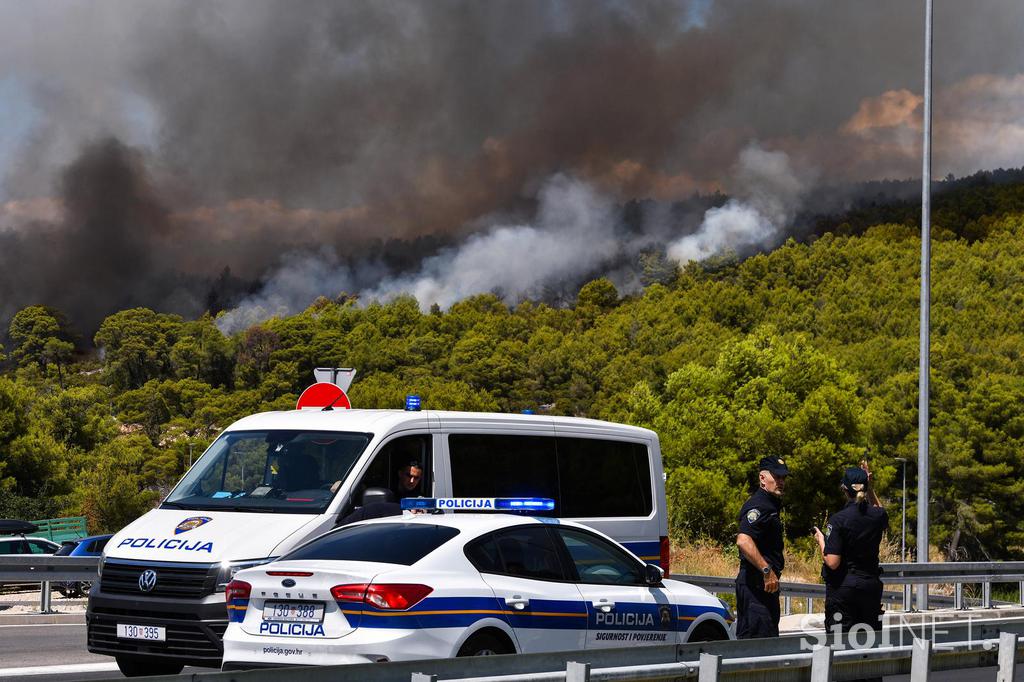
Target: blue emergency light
(479, 503)
(412, 403)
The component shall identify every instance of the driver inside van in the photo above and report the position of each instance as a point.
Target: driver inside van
(298, 471)
(410, 478)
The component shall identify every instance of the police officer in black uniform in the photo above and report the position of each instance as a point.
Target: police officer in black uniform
(761, 562)
(849, 548)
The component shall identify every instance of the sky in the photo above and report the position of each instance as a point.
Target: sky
(445, 147)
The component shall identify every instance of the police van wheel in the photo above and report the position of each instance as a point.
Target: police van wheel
(140, 667)
(484, 644)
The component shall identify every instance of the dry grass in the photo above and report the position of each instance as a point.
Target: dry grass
(703, 557)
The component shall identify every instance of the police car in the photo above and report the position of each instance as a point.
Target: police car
(430, 585)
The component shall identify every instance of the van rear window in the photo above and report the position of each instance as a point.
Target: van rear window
(587, 477)
(389, 543)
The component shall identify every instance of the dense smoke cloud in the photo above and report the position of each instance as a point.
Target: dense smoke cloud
(767, 195)
(263, 128)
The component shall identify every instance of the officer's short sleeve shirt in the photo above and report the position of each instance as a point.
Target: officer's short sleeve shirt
(759, 518)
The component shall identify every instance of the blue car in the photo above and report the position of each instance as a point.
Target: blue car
(89, 546)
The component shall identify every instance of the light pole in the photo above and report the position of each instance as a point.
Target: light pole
(923, 379)
(903, 520)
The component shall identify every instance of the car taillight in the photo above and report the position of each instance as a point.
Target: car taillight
(237, 589)
(394, 597)
(290, 574)
(666, 555)
(349, 592)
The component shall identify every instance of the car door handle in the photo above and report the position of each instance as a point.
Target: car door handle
(516, 602)
(603, 605)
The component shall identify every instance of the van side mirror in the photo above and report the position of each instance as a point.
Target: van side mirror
(652, 574)
(376, 495)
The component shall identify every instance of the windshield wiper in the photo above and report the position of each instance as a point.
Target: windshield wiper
(174, 505)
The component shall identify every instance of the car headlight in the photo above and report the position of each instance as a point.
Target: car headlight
(728, 609)
(103, 559)
(228, 569)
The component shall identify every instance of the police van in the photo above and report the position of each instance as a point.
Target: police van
(273, 481)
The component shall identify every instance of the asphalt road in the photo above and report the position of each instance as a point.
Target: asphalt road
(53, 652)
(40, 653)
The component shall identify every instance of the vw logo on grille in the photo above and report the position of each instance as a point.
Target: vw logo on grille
(147, 580)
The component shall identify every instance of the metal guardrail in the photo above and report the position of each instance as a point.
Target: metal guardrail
(957, 574)
(46, 569)
(969, 643)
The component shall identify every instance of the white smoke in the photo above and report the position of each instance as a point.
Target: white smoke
(767, 194)
(572, 236)
(574, 232)
(291, 288)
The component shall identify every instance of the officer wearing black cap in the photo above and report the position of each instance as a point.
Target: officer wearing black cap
(761, 562)
(849, 548)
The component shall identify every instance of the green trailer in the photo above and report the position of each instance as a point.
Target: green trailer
(59, 530)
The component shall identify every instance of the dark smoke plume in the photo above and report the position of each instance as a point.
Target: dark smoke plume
(276, 133)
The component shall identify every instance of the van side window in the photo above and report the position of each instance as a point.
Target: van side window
(496, 465)
(586, 477)
(603, 478)
(396, 455)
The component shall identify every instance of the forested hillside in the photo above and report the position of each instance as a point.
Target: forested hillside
(809, 352)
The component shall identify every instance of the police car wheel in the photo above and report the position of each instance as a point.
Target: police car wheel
(708, 632)
(484, 644)
(141, 667)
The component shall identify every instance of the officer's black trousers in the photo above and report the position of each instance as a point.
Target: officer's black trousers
(856, 602)
(757, 612)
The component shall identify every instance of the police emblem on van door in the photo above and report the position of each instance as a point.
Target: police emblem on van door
(666, 617)
(147, 580)
(191, 523)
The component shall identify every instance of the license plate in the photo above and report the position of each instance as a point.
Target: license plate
(153, 633)
(293, 611)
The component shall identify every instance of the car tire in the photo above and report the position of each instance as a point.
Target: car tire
(484, 644)
(708, 632)
(140, 667)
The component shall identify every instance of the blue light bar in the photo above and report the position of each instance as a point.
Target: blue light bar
(522, 504)
(412, 403)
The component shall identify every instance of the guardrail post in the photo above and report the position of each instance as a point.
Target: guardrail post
(821, 664)
(908, 598)
(810, 605)
(577, 672)
(710, 666)
(958, 597)
(986, 595)
(1007, 657)
(1020, 586)
(44, 597)
(423, 677)
(787, 603)
(920, 661)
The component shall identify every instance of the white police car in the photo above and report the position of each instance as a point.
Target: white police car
(443, 585)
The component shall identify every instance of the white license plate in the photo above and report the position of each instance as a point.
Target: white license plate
(153, 633)
(293, 611)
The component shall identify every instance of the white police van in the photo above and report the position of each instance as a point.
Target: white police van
(273, 481)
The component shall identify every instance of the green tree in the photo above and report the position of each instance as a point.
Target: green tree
(136, 346)
(122, 482)
(41, 337)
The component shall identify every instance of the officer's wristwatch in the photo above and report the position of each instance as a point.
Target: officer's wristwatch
(766, 570)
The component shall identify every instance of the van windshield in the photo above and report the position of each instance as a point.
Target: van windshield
(295, 472)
